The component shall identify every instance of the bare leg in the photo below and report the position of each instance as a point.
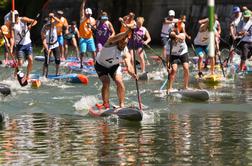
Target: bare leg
(81, 60)
(94, 55)
(45, 70)
(74, 42)
(200, 64)
(62, 52)
(65, 49)
(172, 77)
(186, 75)
(131, 51)
(164, 52)
(212, 63)
(105, 88)
(120, 89)
(57, 69)
(142, 61)
(29, 67)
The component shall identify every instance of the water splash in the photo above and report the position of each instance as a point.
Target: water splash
(85, 102)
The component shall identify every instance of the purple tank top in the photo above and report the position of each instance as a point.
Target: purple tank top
(102, 34)
(138, 38)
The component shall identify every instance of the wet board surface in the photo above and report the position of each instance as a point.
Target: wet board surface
(127, 113)
(190, 94)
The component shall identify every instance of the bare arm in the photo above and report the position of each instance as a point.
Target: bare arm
(32, 22)
(82, 12)
(203, 21)
(127, 61)
(118, 37)
(111, 28)
(43, 37)
(147, 34)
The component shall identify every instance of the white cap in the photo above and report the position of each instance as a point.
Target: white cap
(171, 13)
(15, 12)
(88, 11)
(7, 16)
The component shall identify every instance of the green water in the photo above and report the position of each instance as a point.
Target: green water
(50, 126)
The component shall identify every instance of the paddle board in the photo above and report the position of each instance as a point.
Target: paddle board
(210, 78)
(86, 69)
(127, 113)
(41, 58)
(187, 94)
(4, 89)
(73, 78)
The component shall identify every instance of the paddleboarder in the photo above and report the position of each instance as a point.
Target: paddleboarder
(245, 30)
(179, 52)
(22, 40)
(107, 64)
(86, 41)
(50, 43)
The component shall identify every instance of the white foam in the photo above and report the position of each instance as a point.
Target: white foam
(85, 102)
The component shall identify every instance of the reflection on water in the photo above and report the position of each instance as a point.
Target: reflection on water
(178, 138)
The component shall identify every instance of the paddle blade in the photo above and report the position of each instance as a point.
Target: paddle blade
(21, 79)
(83, 79)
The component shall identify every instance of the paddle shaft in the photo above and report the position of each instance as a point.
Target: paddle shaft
(137, 87)
(163, 61)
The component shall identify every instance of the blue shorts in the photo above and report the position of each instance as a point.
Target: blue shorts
(201, 50)
(87, 45)
(23, 51)
(60, 40)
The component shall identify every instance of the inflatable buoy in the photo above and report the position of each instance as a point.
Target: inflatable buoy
(35, 84)
(83, 79)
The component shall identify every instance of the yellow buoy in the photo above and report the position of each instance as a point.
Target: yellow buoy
(35, 84)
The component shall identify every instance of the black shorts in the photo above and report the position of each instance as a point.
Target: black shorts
(56, 54)
(176, 59)
(101, 70)
(165, 41)
(246, 48)
(234, 42)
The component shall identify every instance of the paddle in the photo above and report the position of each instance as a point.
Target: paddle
(163, 61)
(20, 75)
(137, 87)
(221, 65)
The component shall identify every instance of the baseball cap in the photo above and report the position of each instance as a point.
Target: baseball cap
(60, 12)
(171, 13)
(104, 17)
(88, 11)
(236, 9)
(247, 13)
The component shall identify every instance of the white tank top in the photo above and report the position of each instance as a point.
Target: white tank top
(167, 28)
(246, 27)
(202, 38)
(179, 48)
(110, 56)
(52, 43)
(21, 32)
(235, 23)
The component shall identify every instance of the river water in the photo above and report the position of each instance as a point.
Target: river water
(50, 126)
